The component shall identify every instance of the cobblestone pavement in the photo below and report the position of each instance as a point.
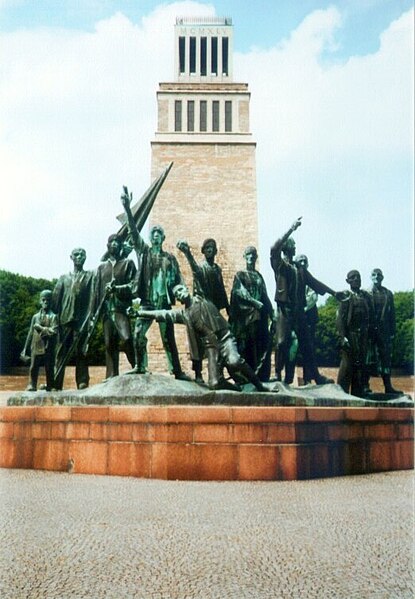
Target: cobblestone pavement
(75, 536)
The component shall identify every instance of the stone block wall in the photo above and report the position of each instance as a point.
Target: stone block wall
(208, 443)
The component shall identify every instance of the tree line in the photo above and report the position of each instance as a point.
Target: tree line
(19, 300)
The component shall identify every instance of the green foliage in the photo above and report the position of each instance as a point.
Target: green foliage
(327, 347)
(403, 349)
(19, 300)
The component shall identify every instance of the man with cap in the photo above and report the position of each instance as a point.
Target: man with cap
(207, 283)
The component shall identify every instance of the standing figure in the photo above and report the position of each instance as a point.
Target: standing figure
(354, 325)
(251, 309)
(207, 283)
(310, 313)
(290, 296)
(158, 273)
(71, 300)
(41, 340)
(203, 320)
(384, 328)
(112, 298)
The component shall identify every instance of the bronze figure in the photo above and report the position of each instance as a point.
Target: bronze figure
(204, 321)
(71, 300)
(41, 341)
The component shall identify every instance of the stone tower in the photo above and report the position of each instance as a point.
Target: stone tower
(203, 127)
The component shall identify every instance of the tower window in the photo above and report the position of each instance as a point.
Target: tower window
(215, 115)
(228, 115)
(192, 56)
(182, 54)
(190, 115)
(178, 115)
(203, 54)
(214, 57)
(203, 115)
(225, 55)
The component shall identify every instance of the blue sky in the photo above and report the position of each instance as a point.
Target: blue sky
(258, 23)
(331, 111)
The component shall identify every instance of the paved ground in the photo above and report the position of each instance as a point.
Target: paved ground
(76, 536)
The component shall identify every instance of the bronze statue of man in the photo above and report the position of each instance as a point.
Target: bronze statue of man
(354, 325)
(113, 296)
(204, 321)
(158, 272)
(71, 300)
(207, 283)
(384, 328)
(251, 311)
(290, 296)
(310, 313)
(41, 341)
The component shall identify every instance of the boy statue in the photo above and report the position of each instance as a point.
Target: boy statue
(41, 339)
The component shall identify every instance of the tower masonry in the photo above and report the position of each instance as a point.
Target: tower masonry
(203, 127)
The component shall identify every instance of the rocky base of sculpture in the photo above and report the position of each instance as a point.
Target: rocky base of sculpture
(153, 389)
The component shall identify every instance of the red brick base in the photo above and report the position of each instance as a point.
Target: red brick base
(208, 443)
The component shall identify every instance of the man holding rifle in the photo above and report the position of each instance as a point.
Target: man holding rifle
(71, 300)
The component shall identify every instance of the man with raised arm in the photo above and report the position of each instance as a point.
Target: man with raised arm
(290, 296)
(207, 283)
(158, 272)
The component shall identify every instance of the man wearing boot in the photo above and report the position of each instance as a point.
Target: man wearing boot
(204, 321)
(384, 328)
(41, 340)
(112, 298)
(158, 272)
(251, 312)
(71, 301)
(290, 295)
(354, 325)
(207, 283)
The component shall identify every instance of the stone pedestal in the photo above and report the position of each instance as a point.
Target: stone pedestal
(214, 442)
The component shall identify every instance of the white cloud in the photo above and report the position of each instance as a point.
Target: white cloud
(78, 112)
(335, 142)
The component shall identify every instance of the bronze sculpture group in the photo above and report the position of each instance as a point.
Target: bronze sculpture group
(242, 342)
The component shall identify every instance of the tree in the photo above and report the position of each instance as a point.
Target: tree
(327, 344)
(403, 348)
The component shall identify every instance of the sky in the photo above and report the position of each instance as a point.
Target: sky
(331, 111)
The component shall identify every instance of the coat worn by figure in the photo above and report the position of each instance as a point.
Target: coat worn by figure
(384, 329)
(354, 325)
(116, 323)
(41, 339)
(71, 300)
(290, 295)
(208, 283)
(158, 273)
(251, 310)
